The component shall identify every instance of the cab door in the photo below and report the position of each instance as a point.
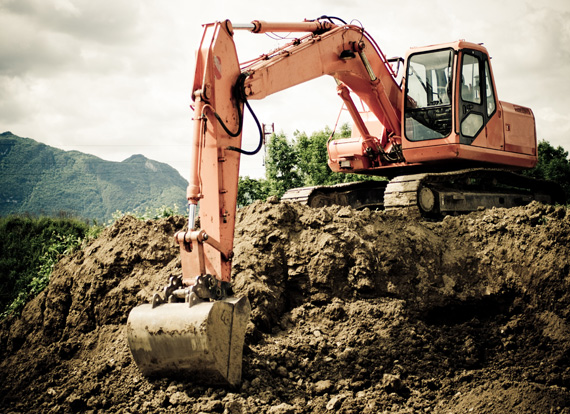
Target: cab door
(477, 102)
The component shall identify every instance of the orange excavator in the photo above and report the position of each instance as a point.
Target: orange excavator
(441, 135)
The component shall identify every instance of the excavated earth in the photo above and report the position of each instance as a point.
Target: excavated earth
(352, 312)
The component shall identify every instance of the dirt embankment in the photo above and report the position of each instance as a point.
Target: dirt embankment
(353, 312)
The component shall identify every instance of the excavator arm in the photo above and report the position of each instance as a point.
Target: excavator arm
(214, 168)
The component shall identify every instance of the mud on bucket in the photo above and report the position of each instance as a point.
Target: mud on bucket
(202, 343)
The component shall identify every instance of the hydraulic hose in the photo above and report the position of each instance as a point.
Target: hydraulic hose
(255, 151)
(240, 97)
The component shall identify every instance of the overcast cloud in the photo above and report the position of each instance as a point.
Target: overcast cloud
(113, 78)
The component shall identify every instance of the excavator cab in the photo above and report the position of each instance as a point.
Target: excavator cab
(429, 94)
(452, 114)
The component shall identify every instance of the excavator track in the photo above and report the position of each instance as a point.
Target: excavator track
(456, 192)
(435, 194)
(358, 195)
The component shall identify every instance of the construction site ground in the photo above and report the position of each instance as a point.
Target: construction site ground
(352, 312)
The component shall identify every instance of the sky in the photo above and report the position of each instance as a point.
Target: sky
(113, 78)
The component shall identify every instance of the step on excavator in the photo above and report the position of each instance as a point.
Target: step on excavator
(440, 134)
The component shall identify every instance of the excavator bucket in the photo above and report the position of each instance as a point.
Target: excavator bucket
(202, 342)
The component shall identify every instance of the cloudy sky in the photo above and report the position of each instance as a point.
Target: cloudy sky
(112, 77)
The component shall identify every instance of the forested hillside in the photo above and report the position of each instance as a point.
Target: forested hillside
(40, 179)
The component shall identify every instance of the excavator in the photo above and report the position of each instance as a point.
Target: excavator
(440, 135)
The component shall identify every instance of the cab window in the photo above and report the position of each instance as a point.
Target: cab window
(428, 95)
(491, 104)
(470, 85)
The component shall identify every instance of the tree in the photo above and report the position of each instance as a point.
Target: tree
(250, 189)
(281, 165)
(313, 157)
(553, 164)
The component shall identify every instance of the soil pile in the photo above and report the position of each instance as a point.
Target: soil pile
(353, 312)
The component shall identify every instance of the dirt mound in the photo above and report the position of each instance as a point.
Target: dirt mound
(353, 312)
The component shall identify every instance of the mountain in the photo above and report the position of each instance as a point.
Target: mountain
(38, 179)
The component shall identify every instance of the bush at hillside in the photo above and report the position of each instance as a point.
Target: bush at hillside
(29, 248)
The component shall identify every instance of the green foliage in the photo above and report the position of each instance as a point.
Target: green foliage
(281, 165)
(250, 189)
(42, 180)
(313, 158)
(553, 164)
(300, 163)
(30, 248)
